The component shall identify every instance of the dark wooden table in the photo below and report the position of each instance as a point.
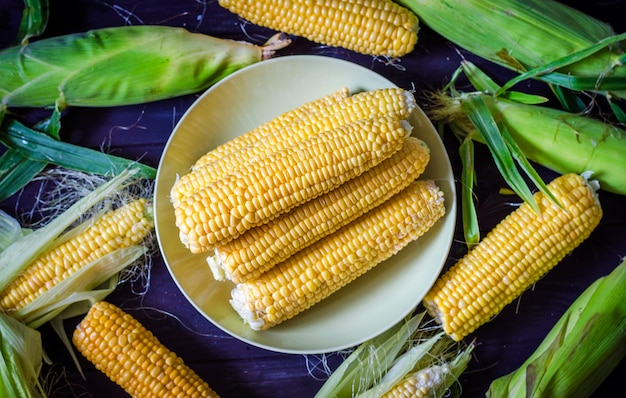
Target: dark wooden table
(234, 368)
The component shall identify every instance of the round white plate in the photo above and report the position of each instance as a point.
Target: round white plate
(369, 305)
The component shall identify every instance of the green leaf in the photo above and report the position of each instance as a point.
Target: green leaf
(34, 20)
(547, 72)
(43, 148)
(471, 230)
(480, 114)
(16, 171)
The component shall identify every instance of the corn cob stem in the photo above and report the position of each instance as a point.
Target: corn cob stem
(131, 356)
(394, 102)
(120, 228)
(374, 27)
(261, 191)
(513, 256)
(323, 268)
(262, 247)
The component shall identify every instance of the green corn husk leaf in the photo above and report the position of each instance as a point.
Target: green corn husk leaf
(369, 361)
(10, 230)
(121, 65)
(21, 359)
(503, 149)
(580, 351)
(471, 230)
(525, 35)
(16, 171)
(34, 20)
(22, 252)
(40, 147)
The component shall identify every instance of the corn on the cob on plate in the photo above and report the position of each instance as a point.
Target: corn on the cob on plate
(228, 110)
(262, 247)
(130, 355)
(393, 101)
(123, 227)
(260, 191)
(514, 255)
(331, 263)
(374, 27)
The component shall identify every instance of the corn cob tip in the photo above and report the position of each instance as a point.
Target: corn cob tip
(214, 260)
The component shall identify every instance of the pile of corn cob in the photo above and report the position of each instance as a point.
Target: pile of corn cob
(298, 207)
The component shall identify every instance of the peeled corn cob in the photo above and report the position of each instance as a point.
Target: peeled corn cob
(321, 269)
(394, 102)
(262, 247)
(421, 384)
(93, 68)
(261, 191)
(374, 27)
(120, 228)
(131, 356)
(513, 256)
(258, 133)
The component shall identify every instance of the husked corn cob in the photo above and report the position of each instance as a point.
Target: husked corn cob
(364, 105)
(277, 183)
(259, 132)
(374, 27)
(420, 384)
(131, 356)
(514, 255)
(323, 268)
(260, 248)
(123, 227)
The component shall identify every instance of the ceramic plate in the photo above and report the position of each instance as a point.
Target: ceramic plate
(369, 305)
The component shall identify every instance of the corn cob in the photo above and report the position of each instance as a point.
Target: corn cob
(369, 104)
(258, 133)
(421, 384)
(374, 27)
(120, 228)
(261, 191)
(120, 66)
(323, 268)
(262, 247)
(514, 255)
(131, 356)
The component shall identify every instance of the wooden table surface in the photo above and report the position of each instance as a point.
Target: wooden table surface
(237, 369)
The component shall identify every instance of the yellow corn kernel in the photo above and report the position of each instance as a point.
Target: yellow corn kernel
(364, 105)
(130, 355)
(258, 133)
(319, 270)
(514, 255)
(373, 27)
(424, 383)
(260, 248)
(123, 227)
(274, 185)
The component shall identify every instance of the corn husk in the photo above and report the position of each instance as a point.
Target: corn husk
(549, 39)
(121, 65)
(21, 358)
(580, 351)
